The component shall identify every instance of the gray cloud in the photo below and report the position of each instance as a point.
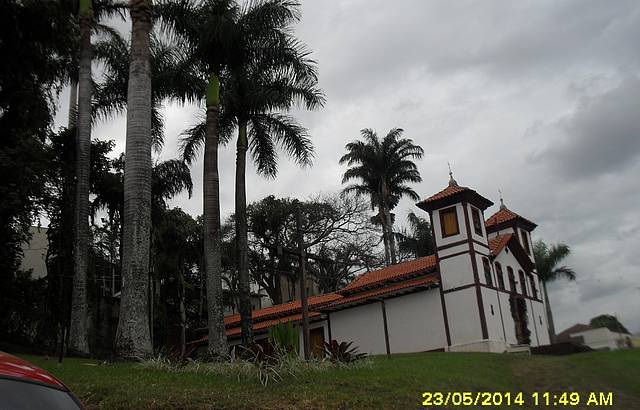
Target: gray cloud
(603, 135)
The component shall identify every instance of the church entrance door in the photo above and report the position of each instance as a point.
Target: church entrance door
(519, 315)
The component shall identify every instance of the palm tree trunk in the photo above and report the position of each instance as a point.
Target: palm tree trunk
(78, 329)
(73, 103)
(551, 327)
(211, 215)
(392, 242)
(242, 249)
(132, 338)
(385, 236)
(183, 316)
(386, 215)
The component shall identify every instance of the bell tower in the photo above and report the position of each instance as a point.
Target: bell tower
(505, 221)
(461, 247)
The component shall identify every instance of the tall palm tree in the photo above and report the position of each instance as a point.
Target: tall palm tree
(209, 29)
(157, 70)
(272, 74)
(547, 260)
(382, 170)
(133, 338)
(78, 330)
(81, 82)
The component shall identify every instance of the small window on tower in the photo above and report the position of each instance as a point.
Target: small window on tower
(525, 241)
(449, 222)
(477, 221)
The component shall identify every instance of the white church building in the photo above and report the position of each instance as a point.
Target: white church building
(478, 292)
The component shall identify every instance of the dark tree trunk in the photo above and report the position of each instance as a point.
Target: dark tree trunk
(79, 325)
(242, 247)
(551, 326)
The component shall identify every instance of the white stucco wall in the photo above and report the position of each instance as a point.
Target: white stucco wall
(415, 322)
(361, 324)
(35, 253)
(456, 271)
(602, 338)
(538, 315)
(504, 231)
(443, 253)
(509, 324)
(463, 315)
(492, 313)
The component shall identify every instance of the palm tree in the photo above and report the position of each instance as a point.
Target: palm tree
(78, 331)
(270, 72)
(383, 169)
(208, 28)
(547, 260)
(133, 338)
(173, 77)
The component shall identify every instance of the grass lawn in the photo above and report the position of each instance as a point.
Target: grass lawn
(395, 382)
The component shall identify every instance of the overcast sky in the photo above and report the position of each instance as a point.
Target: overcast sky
(540, 99)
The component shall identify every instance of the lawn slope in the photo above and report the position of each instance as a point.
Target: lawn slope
(395, 382)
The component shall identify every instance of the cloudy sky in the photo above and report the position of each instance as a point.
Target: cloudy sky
(540, 99)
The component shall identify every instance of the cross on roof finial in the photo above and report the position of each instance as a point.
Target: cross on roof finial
(502, 206)
(452, 182)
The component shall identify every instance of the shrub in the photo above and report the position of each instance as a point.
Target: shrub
(342, 352)
(285, 337)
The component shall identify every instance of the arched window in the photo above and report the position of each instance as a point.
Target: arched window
(534, 290)
(487, 271)
(523, 283)
(500, 276)
(512, 279)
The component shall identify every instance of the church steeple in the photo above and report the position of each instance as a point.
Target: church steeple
(452, 182)
(502, 205)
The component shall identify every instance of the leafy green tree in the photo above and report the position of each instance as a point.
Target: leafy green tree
(382, 170)
(37, 44)
(610, 322)
(337, 228)
(177, 257)
(547, 260)
(417, 241)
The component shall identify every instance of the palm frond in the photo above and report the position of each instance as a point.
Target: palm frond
(192, 141)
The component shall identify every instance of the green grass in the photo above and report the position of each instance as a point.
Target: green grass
(395, 382)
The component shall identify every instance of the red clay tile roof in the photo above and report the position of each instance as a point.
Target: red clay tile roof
(447, 192)
(362, 296)
(283, 309)
(234, 331)
(506, 215)
(497, 244)
(391, 273)
(454, 189)
(260, 326)
(565, 335)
